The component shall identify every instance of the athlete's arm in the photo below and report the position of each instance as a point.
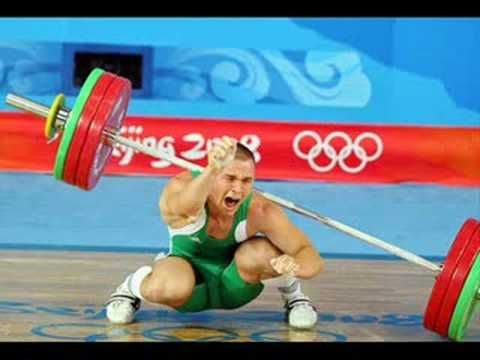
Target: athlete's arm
(272, 221)
(184, 197)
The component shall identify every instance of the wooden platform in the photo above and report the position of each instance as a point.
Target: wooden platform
(59, 296)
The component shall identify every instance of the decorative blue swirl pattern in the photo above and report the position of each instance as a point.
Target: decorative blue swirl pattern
(310, 78)
(224, 75)
(25, 68)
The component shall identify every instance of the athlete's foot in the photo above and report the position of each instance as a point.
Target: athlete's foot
(300, 313)
(122, 305)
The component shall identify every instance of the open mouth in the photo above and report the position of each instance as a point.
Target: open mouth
(231, 202)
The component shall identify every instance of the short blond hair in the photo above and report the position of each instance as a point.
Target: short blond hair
(244, 153)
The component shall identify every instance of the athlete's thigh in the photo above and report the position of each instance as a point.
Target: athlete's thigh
(177, 268)
(234, 291)
(180, 269)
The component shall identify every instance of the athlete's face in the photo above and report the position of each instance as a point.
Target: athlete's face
(233, 185)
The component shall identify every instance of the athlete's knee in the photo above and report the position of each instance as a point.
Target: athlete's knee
(253, 258)
(172, 285)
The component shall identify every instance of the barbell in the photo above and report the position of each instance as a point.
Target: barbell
(90, 130)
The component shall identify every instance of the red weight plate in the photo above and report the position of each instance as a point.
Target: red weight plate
(443, 280)
(97, 149)
(456, 284)
(81, 131)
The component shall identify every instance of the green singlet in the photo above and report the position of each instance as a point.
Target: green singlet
(218, 283)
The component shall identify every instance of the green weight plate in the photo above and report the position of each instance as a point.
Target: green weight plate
(71, 124)
(466, 304)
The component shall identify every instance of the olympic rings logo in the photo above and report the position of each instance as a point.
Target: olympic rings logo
(338, 157)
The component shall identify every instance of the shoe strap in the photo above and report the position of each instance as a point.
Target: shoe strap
(136, 302)
(289, 305)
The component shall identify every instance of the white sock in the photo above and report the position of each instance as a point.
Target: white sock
(292, 288)
(135, 280)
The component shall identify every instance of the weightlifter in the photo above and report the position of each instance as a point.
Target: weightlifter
(225, 239)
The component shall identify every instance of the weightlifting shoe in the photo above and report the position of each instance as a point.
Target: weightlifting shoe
(301, 313)
(122, 305)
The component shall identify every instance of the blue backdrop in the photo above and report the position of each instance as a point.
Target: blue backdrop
(404, 71)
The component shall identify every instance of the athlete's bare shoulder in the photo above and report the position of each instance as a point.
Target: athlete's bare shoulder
(261, 209)
(176, 183)
(168, 210)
